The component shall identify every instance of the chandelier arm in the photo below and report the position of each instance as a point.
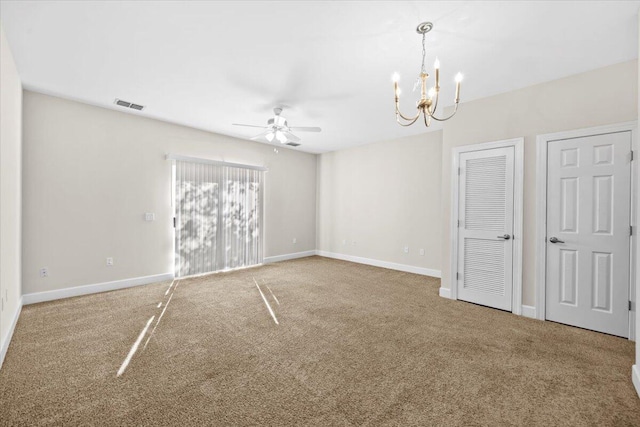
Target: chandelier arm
(405, 117)
(410, 122)
(455, 110)
(427, 119)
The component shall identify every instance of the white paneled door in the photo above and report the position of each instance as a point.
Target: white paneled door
(588, 232)
(485, 229)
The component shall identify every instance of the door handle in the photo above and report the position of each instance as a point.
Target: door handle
(555, 240)
(505, 237)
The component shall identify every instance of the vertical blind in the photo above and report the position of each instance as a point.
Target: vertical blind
(218, 211)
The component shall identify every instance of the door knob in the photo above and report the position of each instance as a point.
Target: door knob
(555, 240)
(505, 237)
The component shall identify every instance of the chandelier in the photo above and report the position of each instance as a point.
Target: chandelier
(428, 102)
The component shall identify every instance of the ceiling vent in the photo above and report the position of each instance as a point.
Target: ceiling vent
(293, 144)
(127, 104)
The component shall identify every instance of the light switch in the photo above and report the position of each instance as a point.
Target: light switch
(149, 216)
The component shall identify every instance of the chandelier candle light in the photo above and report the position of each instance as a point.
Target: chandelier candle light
(428, 99)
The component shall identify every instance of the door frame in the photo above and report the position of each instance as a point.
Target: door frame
(542, 142)
(518, 188)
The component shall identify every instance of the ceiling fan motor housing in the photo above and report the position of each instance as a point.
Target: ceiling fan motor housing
(277, 122)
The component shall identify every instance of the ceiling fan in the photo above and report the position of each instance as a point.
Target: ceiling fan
(277, 128)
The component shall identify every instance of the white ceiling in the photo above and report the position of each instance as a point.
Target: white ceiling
(210, 64)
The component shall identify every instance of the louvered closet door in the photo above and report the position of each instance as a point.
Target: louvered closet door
(486, 213)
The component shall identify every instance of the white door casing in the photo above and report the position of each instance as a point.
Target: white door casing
(588, 232)
(487, 224)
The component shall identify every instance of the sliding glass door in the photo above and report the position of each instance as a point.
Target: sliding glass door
(218, 217)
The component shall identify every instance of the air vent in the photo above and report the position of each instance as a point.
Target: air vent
(127, 104)
(293, 144)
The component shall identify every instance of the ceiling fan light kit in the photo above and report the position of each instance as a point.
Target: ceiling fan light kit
(277, 129)
(428, 102)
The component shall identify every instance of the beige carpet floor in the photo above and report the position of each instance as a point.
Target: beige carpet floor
(355, 345)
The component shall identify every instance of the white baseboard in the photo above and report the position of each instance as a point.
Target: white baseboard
(529, 311)
(635, 377)
(383, 264)
(445, 293)
(285, 257)
(93, 289)
(7, 339)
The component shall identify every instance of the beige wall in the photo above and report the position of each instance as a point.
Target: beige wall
(10, 189)
(383, 196)
(603, 96)
(90, 174)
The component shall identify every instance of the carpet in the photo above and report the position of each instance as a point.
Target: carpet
(353, 345)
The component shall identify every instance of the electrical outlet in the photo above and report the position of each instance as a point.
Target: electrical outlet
(344, 241)
(44, 272)
(110, 262)
(149, 216)
(405, 249)
(422, 252)
(295, 240)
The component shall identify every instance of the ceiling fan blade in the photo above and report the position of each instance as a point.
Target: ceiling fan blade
(261, 137)
(290, 137)
(305, 129)
(249, 126)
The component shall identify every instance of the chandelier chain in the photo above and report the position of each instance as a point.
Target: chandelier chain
(424, 52)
